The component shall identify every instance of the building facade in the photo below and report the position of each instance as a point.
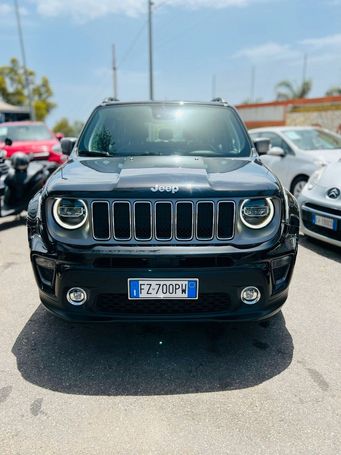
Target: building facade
(322, 112)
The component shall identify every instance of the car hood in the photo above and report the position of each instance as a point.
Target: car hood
(331, 176)
(184, 175)
(329, 156)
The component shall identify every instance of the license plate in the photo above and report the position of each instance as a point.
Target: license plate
(325, 222)
(139, 289)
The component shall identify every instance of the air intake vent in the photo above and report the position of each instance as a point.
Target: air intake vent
(205, 220)
(184, 220)
(225, 215)
(122, 220)
(143, 220)
(101, 220)
(163, 220)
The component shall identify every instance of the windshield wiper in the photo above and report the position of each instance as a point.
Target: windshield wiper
(93, 153)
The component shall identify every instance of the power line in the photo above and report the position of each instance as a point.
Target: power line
(23, 56)
(132, 45)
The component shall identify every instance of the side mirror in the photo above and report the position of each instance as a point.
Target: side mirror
(276, 151)
(8, 141)
(262, 145)
(67, 144)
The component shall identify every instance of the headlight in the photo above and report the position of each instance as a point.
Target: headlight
(70, 213)
(314, 178)
(320, 162)
(257, 213)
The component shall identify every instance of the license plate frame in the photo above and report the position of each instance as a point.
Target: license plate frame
(325, 221)
(134, 289)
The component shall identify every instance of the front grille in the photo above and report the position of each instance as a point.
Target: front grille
(323, 208)
(119, 304)
(163, 221)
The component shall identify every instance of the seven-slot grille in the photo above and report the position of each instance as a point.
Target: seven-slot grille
(163, 220)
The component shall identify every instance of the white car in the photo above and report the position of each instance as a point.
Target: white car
(320, 204)
(297, 152)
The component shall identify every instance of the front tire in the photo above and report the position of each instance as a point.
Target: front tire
(298, 184)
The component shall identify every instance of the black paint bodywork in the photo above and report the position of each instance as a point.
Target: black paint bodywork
(63, 259)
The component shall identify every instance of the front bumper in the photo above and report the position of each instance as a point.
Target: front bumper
(310, 207)
(104, 277)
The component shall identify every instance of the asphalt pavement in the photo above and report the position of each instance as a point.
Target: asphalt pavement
(249, 388)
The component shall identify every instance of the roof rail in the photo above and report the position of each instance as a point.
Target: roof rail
(109, 99)
(219, 99)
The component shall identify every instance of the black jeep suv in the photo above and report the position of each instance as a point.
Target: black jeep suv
(163, 212)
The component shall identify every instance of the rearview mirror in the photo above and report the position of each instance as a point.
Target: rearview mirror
(67, 144)
(262, 145)
(8, 141)
(276, 151)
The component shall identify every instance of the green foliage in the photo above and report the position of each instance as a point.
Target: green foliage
(286, 90)
(334, 91)
(102, 140)
(68, 129)
(13, 90)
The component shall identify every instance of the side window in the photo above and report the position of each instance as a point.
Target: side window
(276, 141)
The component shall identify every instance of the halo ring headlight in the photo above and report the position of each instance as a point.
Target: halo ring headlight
(61, 212)
(264, 213)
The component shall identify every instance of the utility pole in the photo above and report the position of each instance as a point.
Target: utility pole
(304, 73)
(23, 56)
(114, 72)
(150, 42)
(252, 85)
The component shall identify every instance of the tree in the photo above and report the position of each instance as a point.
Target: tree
(13, 90)
(334, 91)
(68, 129)
(286, 90)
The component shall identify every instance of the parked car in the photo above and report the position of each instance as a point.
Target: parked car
(297, 152)
(32, 138)
(320, 203)
(164, 212)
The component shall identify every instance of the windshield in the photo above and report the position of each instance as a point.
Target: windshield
(314, 139)
(164, 129)
(25, 133)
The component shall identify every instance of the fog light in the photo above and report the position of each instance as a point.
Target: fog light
(250, 295)
(76, 296)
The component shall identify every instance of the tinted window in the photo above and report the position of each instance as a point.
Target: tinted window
(164, 129)
(25, 133)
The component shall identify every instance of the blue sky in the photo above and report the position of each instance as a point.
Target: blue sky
(70, 42)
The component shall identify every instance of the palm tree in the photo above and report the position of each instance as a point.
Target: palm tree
(286, 90)
(334, 91)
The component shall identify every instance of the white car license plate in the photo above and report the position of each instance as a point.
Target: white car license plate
(323, 221)
(139, 289)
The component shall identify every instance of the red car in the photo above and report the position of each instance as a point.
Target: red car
(32, 138)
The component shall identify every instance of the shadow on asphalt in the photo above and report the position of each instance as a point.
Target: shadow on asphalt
(12, 223)
(150, 359)
(322, 248)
